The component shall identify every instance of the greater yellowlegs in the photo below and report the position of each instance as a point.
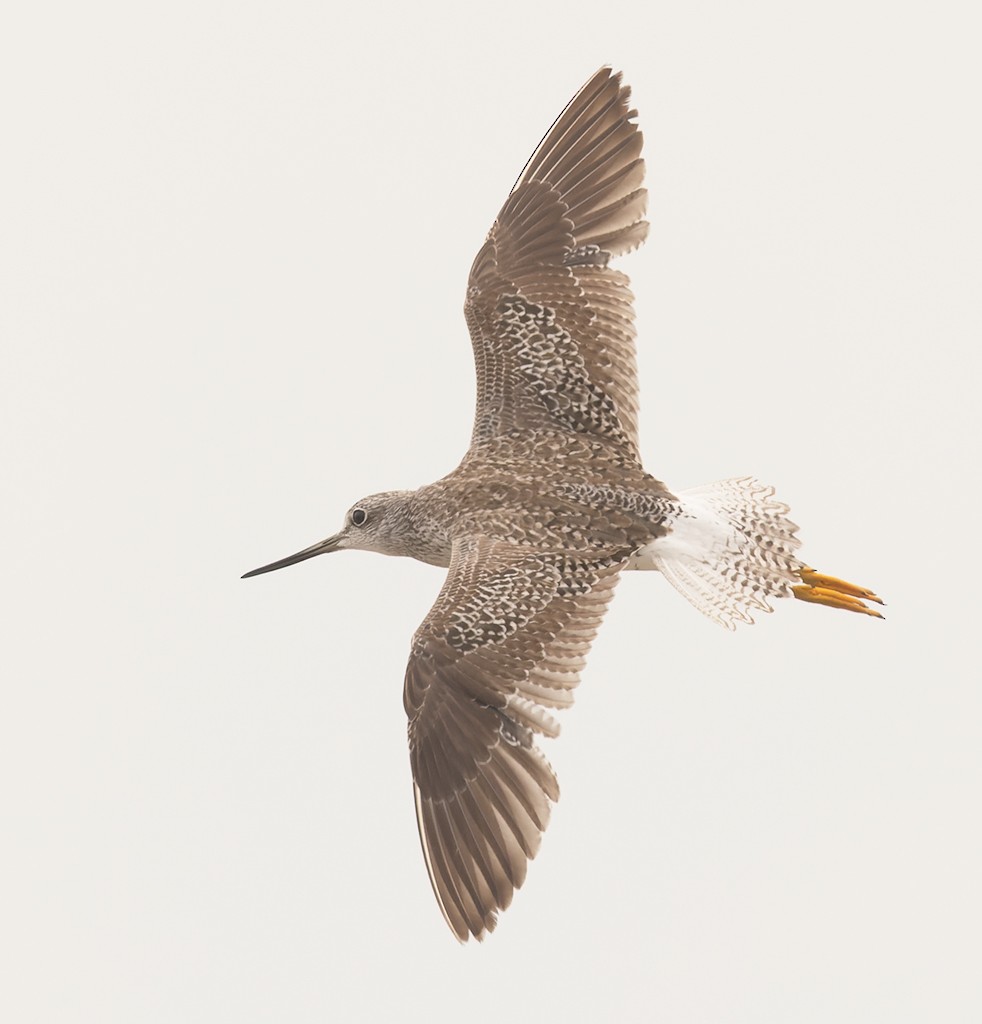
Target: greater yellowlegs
(548, 506)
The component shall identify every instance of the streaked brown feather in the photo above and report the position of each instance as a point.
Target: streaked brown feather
(578, 203)
(483, 789)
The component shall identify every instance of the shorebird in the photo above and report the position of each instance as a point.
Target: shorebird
(549, 505)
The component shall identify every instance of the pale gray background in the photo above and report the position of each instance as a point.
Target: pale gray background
(235, 240)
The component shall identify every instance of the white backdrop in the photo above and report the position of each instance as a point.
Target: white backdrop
(234, 245)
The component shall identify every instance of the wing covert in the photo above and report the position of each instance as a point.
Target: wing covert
(505, 640)
(552, 325)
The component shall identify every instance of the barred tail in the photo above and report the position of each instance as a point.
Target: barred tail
(732, 549)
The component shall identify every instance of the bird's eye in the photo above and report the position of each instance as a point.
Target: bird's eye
(358, 516)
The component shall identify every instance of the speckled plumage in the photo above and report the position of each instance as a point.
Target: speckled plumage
(549, 504)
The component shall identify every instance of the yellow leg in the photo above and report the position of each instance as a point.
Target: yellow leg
(835, 593)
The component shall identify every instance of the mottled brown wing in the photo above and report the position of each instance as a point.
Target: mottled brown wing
(551, 324)
(506, 639)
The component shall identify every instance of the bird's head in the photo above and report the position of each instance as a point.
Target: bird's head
(376, 523)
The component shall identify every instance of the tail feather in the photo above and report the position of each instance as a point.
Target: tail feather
(731, 550)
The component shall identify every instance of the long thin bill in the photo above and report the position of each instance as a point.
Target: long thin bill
(320, 548)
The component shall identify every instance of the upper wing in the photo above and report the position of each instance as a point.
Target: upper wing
(551, 324)
(507, 637)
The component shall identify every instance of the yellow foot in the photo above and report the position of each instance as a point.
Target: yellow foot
(835, 593)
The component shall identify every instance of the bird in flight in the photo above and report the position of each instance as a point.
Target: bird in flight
(549, 505)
